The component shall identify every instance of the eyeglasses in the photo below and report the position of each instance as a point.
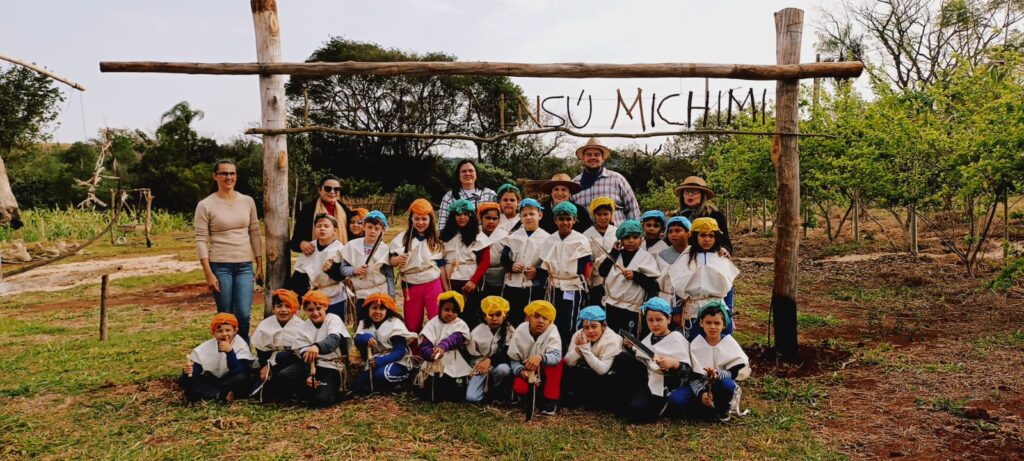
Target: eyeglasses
(329, 189)
(227, 174)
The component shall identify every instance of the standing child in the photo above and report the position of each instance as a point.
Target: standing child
(536, 354)
(324, 269)
(508, 199)
(602, 240)
(520, 257)
(419, 253)
(631, 276)
(218, 369)
(355, 223)
(565, 263)
(312, 369)
(724, 364)
(367, 258)
(273, 335)
(489, 214)
(678, 231)
(467, 256)
(653, 222)
(650, 377)
(702, 274)
(443, 348)
(591, 353)
(489, 346)
(384, 340)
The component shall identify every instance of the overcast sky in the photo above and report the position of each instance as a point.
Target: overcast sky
(72, 37)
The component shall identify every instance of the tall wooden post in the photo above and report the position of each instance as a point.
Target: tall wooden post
(786, 157)
(104, 281)
(275, 149)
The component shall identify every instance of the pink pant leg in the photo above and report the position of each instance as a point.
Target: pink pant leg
(433, 290)
(421, 296)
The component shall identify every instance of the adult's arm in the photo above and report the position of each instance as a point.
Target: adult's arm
(442, 213)
(254, 235)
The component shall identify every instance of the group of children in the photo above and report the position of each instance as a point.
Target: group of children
(495, 307)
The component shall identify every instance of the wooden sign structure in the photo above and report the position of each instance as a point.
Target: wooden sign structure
(785, 147)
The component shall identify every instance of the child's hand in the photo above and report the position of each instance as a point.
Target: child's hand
(711, 372)
(532, 364)
(705, 398)
(188, 368)
(437, 354)
(617, 245)
(307, 248)
(372, 362)
(265, 373)
(224, 346)
(311, 354)
(518, 267)
(723, 252)
(666, 363)
(361, 270)
(530, 273)
(372, 343)
(354, 361)
(482, 367)
(469, 287)
(327, 264)
(628, 274)
(403, 260)
(627, 344)
(581, 340)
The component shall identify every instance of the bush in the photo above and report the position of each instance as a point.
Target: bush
(660, 196)
(1011, 275)
(44, 224)
(359, 187)
(406, 193)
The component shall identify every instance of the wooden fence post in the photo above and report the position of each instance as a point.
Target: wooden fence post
(275, 149)
(104, 281)
(786, 157)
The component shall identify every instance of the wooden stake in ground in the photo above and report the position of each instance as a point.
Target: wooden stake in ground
(103, 306)
(786, 157)
(275, 149)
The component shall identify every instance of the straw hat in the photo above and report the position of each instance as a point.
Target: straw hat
(593, 143)
(561, 179)
(695, 182)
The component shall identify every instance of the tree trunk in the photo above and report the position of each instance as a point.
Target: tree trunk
(8, 204)
(1006, 225)
(275, 149)
(786, 157)
(912, 218)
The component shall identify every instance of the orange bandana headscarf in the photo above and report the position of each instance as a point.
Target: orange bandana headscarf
(483, 207)
(223, 318)
(421, 206)
(384, 299)
(288, 298)
(316, 297)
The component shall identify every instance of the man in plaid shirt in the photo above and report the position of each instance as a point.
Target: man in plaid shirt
(598, 181)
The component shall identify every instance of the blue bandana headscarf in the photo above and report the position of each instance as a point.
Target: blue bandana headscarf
(657, 304)
(592, 314)
(529, 202)
(679, 220)
(653, 214)
(378, 216)
(630, 227)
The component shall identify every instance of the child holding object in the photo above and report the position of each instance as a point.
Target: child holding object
(383, 338)
(218, 369)
(273, 335)
(725, 365)
(702, 274)
(602, 240)
(323, 269)
(592, 351)
(488, 346)
(521, 256)
(419, 253)
(367, 261)
(445, 370)
(312, 369)
(566, 260)
(631, 277)
(651, 370)
(536, 354)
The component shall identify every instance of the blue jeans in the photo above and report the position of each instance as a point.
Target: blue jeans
(498, 375)
(721, 394)
(235, 297)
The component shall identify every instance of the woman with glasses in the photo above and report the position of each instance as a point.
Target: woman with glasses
(328, 202)
(464, 186)
(228, 240)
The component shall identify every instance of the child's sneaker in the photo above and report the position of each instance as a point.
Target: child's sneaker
(547, 407)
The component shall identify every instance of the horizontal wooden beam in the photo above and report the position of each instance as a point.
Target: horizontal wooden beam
(509, 134)
(557, 70)
(43, 71)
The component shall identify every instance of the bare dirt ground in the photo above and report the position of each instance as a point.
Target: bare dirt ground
(59, 277)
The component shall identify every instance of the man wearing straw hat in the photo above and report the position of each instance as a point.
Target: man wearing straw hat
(597, 181)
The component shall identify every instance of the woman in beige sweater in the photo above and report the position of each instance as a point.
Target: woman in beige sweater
(228, 239)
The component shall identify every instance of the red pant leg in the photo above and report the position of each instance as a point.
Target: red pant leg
(552, 381)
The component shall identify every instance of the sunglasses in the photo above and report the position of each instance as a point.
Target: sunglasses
(227, 174)
(330, 189)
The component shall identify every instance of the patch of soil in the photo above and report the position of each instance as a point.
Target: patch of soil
(813, 360)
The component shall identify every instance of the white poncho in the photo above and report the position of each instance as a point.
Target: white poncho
(436, 331)
(214, 361)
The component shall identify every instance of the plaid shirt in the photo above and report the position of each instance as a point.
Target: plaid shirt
(477, 196)
(614, 185)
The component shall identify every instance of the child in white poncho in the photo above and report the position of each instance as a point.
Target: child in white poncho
(592, 351)
(442, 345)
(218, 369)
(273, 335)
(488, 347)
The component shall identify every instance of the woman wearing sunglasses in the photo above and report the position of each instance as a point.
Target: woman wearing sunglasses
(328, 202)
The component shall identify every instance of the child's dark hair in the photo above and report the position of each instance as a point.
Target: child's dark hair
(326, 216)
(603, 207)
(696, 248)
(372, 221)
(469, 232)
(364, 318)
